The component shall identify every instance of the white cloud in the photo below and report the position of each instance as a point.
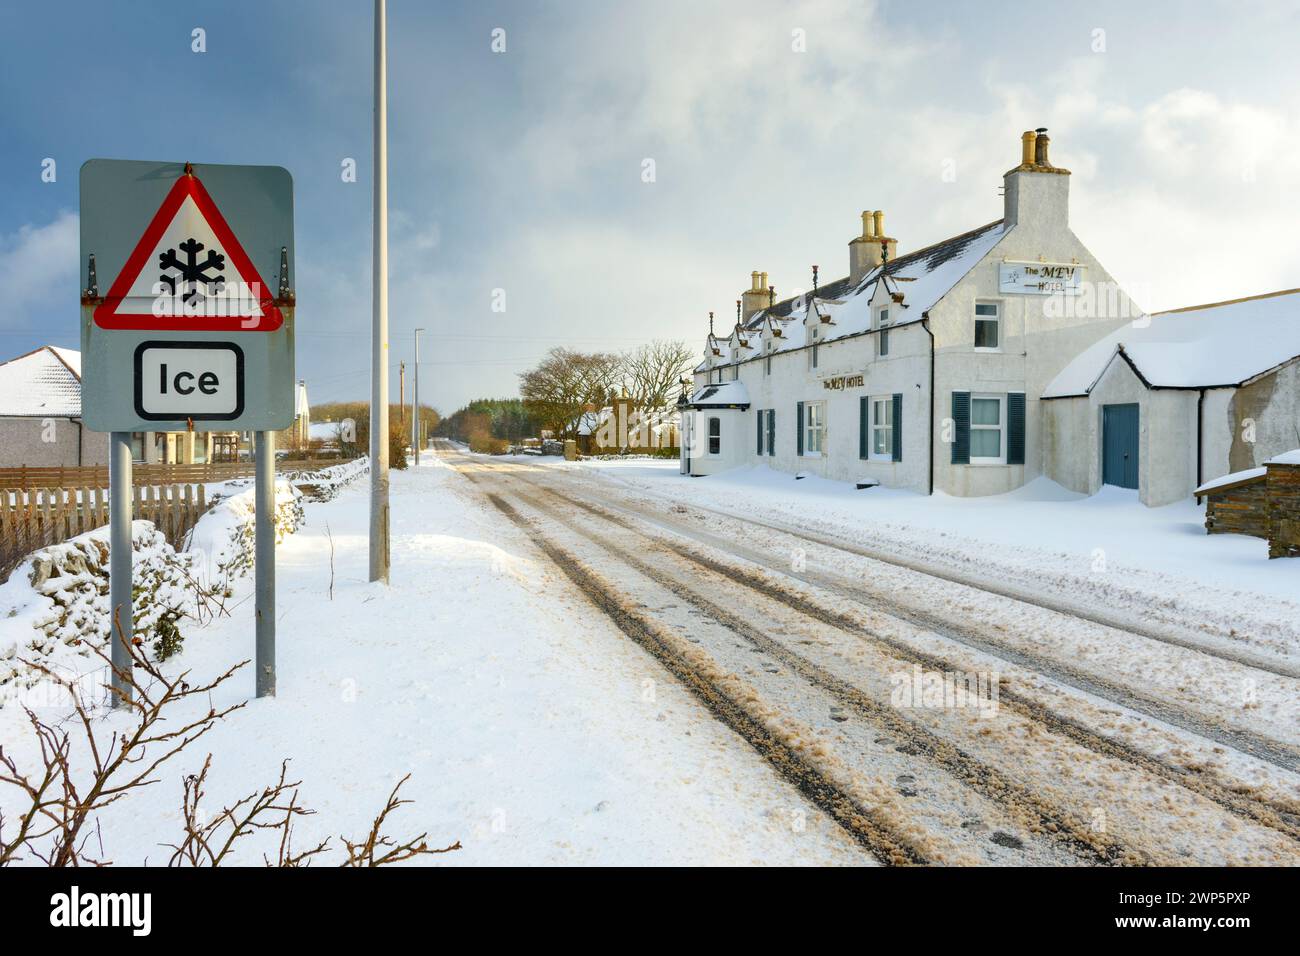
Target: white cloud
(38, 267)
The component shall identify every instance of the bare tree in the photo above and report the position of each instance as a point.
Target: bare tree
(564, 382)
(654, 371)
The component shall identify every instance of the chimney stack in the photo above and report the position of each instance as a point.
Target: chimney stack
(1036, 189)
(754, 299)
(865, 250)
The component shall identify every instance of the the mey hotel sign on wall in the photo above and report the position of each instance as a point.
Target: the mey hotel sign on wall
(1039, 278)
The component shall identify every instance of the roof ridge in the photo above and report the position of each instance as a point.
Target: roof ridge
(916, 253)
(54, 350)
(1213, 305)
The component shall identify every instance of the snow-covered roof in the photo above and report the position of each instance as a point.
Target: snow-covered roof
(721, 395)
(1233, 479)
(1291, 457)
(323, 431)
(921, 278)
(46, 382)
(588, 422)
(1224, 343)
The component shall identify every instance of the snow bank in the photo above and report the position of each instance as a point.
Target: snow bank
(55, 607)
(325, 484)
(222, 542)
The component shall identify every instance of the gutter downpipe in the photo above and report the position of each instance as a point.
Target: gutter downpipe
(925, 324)
(1200, 431)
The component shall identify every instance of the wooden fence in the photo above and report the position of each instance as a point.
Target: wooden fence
(144, 475)
(34, 518)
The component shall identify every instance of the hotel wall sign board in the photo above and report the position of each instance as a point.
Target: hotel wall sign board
(1039, 278)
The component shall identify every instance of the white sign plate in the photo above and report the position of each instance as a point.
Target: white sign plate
(1039, 278)
(203, 381)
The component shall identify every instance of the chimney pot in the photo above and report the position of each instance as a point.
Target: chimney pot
(879, 216)
(753, 281)
(1041, 142)
(763, 281)
(1027, 147)
(868, 225)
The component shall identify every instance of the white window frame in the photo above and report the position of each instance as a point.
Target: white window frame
(882, 331)
(996, 319)
(810, 429)
(709, 436)
(1001, 428)
(767, 357)
(874, 403)
(813, 344)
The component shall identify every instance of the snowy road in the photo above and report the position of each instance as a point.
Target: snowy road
(1104, 739)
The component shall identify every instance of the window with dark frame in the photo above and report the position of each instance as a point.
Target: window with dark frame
(715, 436)
(987, 326)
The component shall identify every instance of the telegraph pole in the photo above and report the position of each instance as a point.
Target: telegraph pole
(379, 293)
(401, 391)
(415, 398)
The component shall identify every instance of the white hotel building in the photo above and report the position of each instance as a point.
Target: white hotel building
(936, 370)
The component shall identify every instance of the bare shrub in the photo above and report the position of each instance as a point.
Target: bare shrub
(60, 818)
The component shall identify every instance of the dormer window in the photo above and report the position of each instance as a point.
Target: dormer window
(814, 333)
(882, 334)
(767, 357)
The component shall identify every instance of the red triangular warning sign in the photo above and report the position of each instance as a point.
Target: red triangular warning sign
(189, 272)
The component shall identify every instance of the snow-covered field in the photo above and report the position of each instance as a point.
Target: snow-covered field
(533, 731)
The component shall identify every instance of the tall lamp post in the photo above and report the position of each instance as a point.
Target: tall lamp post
(379, 293)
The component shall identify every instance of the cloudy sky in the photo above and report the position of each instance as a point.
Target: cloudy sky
(770, 125)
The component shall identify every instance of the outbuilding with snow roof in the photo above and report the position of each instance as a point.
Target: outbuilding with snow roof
(1175, 400)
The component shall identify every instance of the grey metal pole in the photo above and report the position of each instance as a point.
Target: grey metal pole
(119, 570)
(415, 402)
(379, 292)
(264, 503)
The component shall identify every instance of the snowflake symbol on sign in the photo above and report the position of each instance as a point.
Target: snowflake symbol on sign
(192, 271)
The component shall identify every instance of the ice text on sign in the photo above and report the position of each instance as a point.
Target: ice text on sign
(194, 380)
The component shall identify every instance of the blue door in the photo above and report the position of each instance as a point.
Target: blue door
(1119, 444)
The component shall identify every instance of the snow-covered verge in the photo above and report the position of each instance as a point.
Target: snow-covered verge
(54, 607)
(224, 538)
(529, 739)
(324, 484)
(1107, 548)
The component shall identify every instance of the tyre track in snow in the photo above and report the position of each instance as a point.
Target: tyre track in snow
(863, 824)
(1282, 818)
(1275, 752)
(1043, 817)
(1084, 613)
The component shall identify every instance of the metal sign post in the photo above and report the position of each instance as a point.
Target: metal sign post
(189, 337)
(264, 458)
(119, 564)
